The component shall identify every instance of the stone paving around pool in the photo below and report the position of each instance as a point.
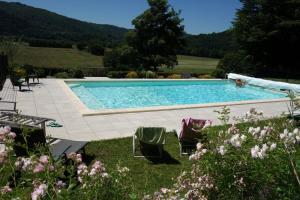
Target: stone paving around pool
(50, 100)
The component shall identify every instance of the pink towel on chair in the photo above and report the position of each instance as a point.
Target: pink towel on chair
(188, 132)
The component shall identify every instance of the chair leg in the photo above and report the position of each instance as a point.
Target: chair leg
(160, 151)
(180, 149)
(133, 145)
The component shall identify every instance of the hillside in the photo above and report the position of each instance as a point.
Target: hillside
(21, 20)
(33, 23)
(213, 45)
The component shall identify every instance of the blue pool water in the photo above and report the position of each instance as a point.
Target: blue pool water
(137, 94)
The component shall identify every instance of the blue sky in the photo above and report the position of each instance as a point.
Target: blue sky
(200, 16)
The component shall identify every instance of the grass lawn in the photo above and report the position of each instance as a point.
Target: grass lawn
(57, 58)
(194, 64)
(72, 58)
(146, 175)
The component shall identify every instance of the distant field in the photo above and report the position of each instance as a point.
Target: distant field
(194, 64)
(57, 58)
(72, 58)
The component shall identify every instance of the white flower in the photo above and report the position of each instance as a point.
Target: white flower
(236, 140)
(222, 150)
(263, 133)
(204, 151)
(192, 157)
(264, 147)
(273, 146)
(199, 146)
(257, 130)
(243, 138)
(251, 130)
(254, 151)
(296, 131)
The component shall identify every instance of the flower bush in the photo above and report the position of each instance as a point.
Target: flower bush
(132, 74)
(174, 76)
(256, 158)
(38, 176)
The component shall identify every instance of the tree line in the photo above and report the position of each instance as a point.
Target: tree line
(268, 37)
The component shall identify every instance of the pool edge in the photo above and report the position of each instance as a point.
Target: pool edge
(85, 111)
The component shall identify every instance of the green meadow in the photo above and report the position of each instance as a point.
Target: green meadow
(73, 58)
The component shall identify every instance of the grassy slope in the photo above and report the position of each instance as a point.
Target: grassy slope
(72, 58)
(194, 64)
(146, 176)
(57, 58)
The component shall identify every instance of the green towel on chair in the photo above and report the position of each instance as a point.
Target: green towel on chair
(151, 135)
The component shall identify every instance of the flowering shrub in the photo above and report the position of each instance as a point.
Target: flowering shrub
(38, 176)
(255, 159)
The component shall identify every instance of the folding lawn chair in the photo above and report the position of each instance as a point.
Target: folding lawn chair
(149, 138)
(190, 134)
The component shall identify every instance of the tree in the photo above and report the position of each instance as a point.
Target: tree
(158, 35)
(10, 47)
(269, 31)
(96, 49)
(80, 46)
(122, 57)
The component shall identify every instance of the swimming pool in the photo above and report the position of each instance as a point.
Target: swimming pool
(130, 94)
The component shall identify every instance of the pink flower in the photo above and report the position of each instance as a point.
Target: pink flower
(19, 163)
(44, 159)
(3, 156)
(12, 135)
(97, 167)
(82, 169)
(51, 168)
(26, 163)
(71, 155)
(39, 191)
(2, 136)
(6, 189)
(39, 168)
(60, 184)
(7, 129)
(78, 158)
(75, 157)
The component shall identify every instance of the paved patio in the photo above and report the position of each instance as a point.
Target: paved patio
(48, 99)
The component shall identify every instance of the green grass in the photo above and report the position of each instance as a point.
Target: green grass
(192, 64)
(146, 175)
(57, 58)
(72, 58)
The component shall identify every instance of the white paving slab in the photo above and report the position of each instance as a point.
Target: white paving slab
(49, 99)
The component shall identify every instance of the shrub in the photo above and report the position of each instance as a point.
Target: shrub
(117, 74)
(174, 76)
(38, 176)
(62, 75)
(80, 46)
(218, 73)
(132, 74)
(78, 73)
(150, 74)
(18, 72)
(255, 159)
(96, 49)
(205, 76)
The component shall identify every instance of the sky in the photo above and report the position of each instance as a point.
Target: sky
(200, 16)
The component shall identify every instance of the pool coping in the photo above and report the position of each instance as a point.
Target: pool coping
(85, 111)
